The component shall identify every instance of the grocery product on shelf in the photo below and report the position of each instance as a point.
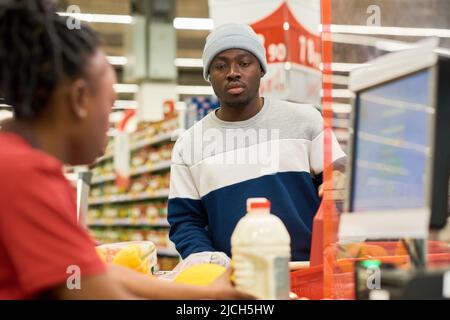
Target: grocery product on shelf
(153, 133)
(199, 107)
(147, 159)
(129, 214)
(109, 148)
(144, 184)
(139, 158)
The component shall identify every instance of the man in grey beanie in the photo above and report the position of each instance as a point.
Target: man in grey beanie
(235, 45)
(207, 194)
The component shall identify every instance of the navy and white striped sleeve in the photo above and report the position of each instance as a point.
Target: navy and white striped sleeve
(187, 217)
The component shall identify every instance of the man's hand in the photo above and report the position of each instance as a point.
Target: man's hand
(338, 192)
(222, 289)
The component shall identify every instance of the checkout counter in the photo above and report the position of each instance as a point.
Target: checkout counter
(398, 185)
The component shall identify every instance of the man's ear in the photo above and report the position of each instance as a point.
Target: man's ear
(78, 98)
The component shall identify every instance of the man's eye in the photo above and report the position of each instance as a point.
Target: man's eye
(245, 64)
(220, 66)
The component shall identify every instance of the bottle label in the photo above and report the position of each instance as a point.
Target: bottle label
(282, 279)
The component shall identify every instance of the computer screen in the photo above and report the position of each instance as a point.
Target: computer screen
(399, 159)
(392, 139)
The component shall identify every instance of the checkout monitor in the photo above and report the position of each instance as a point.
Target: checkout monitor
(400, 144)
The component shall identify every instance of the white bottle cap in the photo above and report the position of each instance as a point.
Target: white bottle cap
(258, 204)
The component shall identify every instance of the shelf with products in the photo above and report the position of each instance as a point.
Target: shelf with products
(127, 223)
(161, 138)
(108, 155)
(341, 123)
(154, 133)
(160, 237)
(146, 214)
(136, 211)
(143, 196)
(149, 179)
(145, 168)
(152, 157)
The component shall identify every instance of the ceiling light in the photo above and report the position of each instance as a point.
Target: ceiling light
(343, 67)
(339, 93)
(117, 60)
(195, 90)
(341, 107)
(126, 88)
(390, 31)
(193, 24)
(188, 63)
(99, 18)
(4, 114)
(125, 104)
(335, 79)
(346, 67)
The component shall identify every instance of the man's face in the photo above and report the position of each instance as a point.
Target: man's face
(235, 75)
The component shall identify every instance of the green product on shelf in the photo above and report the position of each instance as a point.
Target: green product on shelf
(123, 212)
(163, 211)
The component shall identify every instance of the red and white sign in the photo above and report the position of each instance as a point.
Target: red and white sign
(122, 148)
(289, 31)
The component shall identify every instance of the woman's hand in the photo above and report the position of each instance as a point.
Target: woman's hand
(222, 289)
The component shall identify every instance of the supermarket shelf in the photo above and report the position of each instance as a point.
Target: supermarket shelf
(153, 141)
(129, 198)
(164, 165)
(102, 179)
(167, 252)
(127, 223)
(341, 123)
(165, 137)
(104, 157)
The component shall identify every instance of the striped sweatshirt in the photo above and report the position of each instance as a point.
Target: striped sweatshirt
(217, 165)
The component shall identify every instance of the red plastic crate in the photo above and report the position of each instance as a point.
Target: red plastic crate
(308, 282)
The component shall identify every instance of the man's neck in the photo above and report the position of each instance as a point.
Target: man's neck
(231, 114)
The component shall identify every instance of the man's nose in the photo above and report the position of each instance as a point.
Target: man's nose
(234, 72)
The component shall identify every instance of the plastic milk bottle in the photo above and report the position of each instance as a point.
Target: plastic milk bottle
(261, 251)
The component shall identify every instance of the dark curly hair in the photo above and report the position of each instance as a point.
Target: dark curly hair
(37, 50)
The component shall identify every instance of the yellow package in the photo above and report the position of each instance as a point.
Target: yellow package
(137, 255)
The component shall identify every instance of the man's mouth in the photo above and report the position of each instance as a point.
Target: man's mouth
(235, 89)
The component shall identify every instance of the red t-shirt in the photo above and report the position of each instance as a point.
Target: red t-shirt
(39, 234)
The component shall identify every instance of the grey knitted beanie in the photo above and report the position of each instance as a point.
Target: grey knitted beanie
(232, 36)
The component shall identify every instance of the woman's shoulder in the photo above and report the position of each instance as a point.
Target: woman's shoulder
(18, 160)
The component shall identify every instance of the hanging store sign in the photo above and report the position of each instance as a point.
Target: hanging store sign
(289, 31)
